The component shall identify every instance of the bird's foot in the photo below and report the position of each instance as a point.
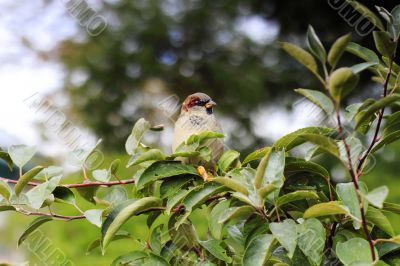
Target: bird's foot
(207, 176)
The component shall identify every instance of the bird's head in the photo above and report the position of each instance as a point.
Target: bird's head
(198, 102)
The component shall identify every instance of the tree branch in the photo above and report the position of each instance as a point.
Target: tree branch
(84, 184)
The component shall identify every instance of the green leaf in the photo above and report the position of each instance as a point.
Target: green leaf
(32, 227)
(21, 154)
(204, 136)
(49, 172)
(294, 165)
(227, 160)
(39, 194)
(319, 99)
(294, 196)
(231, 184)
(94, 216)
(64, 195)
(376, 217)
(384, 43)
(286, 234)
(102, 175)
(236, 212)
(88, 193)
(4, 208)
(274, 170)
(354, 252)
(81, 157)
(391, 207)
(197, 197)
(358, 68)
(131, 258)
(342, 81)
(163, 169)
(134, 139)
(214, 247)
(114, 166)
(367, 13)
(389, 138)
(5, 190)
(257, 154)
(259, 250)
(315, 45)
(396, 21)
(373, 108)
(362, 52)
(171, 186)
(118, 236)
(262, 166)
(176, 198)
(121, 213)
(325, 209)
(348, 195)
(155, 239)
(6, 157)
(337, 49)
(24, 180)
(325, 143)
(150, 155)
(377, 196)
(302, 56)
(215, 215)
(295, 139)
(311, 240)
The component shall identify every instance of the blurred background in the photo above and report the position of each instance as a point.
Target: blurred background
(101, 65)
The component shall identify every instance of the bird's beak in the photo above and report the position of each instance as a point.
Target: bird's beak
(210, 104)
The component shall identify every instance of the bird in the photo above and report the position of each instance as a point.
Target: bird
(197, 116)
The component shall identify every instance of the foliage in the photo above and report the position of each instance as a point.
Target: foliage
(282, 211)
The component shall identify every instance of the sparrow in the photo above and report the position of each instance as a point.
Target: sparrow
(196, 117)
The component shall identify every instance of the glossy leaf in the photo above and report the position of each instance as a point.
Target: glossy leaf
(5, 190)
(39, 194)
(88, 193)
(24, 180)
(354, 252)
(171, 186)
(325, 209)
(286, 234)
(21, 154)
(236, 212)
(358, 68)
(227, 160)
(302, 56)
(311, 240)
(384, 43)
(348, 195)
(262, 166)
(64, 195)
(256, 155)
(231, 184)
(150, 155)
(362, 52)
(315, 44)
(388, 139)
(342, 81)
(163, 169)
(32, 227)
(94, 216)
(102, 175)
(294, 165)
(337, 49)
(376, 217)
(294, 196)
(325, 143)
(373, 108)
(367, 13)
(259, 250)
(121, 213)
(215, 215)
(319, 99)
(295, 139)
(6, 157)
(118, 236)
(214, 247)
(138, 131)
(377, 196)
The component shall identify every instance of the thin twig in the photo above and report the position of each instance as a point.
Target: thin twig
(57, 216)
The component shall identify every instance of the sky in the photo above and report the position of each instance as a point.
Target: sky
(24, 74)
